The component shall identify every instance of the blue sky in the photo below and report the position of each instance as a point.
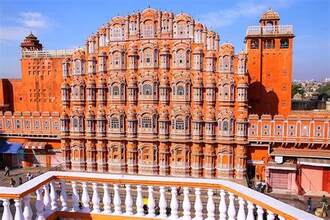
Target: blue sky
(63, 24)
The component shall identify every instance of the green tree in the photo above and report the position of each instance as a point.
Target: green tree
(297, 88)
(325, 89)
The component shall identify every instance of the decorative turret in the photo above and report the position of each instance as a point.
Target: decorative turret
(31, 42)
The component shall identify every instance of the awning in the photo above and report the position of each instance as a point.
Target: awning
(314, 162)
(35, 145)
(9, 147)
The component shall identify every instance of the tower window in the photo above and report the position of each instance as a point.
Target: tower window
(284, 43)
(269, 44)
(254, 44)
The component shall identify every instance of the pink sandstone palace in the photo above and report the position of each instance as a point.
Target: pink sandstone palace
(155, 93)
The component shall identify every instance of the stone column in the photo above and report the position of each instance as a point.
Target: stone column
(209, 161)
(225, 161)
(91, 164)
(132, 157)
(66, 154)
(240, 162)
(196, 160)
(164, 159)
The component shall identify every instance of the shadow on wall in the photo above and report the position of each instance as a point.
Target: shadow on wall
(8, 94)
(260, 101)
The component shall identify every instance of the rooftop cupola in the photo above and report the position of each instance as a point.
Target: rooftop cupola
(31, 42)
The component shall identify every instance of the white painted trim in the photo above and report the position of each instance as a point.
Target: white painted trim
(314, 164)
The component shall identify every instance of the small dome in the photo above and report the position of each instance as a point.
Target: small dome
(132, 82)
(90, 82)
(131, 114)
(163, 114)
(197, 114)
(198, 50)
(164, 81)
(210, 114)
(198, 81)
(270, 14)
(210, 81)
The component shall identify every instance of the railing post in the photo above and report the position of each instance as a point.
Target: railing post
(198, 205)
(27, 213)
(106, 199)
(95, 199)
(186, 204)
(250, 215)
(46, 198)
(53, 196)
(231, 207)
(85, 197)
(241, 211)
(18, 210)
(116, 199)
(151, 202)
(210, 205)
(139, 201)
(162, 203)
(63, 196)
(75, 197)
(39, 205)
(223, 205)
(174, 203)
(260, 212)
(6, 210)
(128, 200)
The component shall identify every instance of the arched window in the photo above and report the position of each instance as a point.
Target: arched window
(147, 89)
(148, 30)
(179, 124)
(146, 122)
(75, 123)
(77, 67)
(114, 122)
(226, 63)
(117, 33)
(180, 90)
(115, 90)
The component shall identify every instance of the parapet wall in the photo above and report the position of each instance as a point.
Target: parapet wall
(38, 124)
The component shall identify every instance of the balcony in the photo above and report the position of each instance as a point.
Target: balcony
(47, 53)
(58, 194)
(269, 30)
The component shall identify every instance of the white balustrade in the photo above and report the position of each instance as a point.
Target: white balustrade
(75, 197)
(85, 197)
(106, 199)
(174, 203)
(27, 213)
(46, 201)
(116, 200)
(128, 200)
(63, 196)
(18, 210)
(95, 199)
(210, 205)
(198, 205)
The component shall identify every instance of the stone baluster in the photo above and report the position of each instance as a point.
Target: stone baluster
(174, 203)
(27, 213)
(46, 198)
(250, 215)
(186, 204)
(6, 210)
(139, 201)
(270, 215)
(260, 213)
(40, 205)
(63, 196)
(210, 205)
(223, 205)
(241, 210)
(106, 199)
(151, 202)
(116, 199)
(162, 203)
(18, 210)
(231, 207)
(75, 197)
(85, 197)
(128, 201)
(198, 205)
(53, 196)
(95, 199)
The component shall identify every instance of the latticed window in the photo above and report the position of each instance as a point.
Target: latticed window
(284, 43)
(147, 89)
(269, 43)
(148, 30)
(225, 126)
(146, 122)
(179, 124)
(117, 33)
(115, 90)
(180, 90)
(114, 122)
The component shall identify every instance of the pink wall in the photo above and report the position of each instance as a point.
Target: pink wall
(311, 178)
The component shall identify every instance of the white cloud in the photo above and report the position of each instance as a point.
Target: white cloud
(24, 23)
(241, 10)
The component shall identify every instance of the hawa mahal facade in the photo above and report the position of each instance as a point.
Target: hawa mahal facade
(156, 93)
